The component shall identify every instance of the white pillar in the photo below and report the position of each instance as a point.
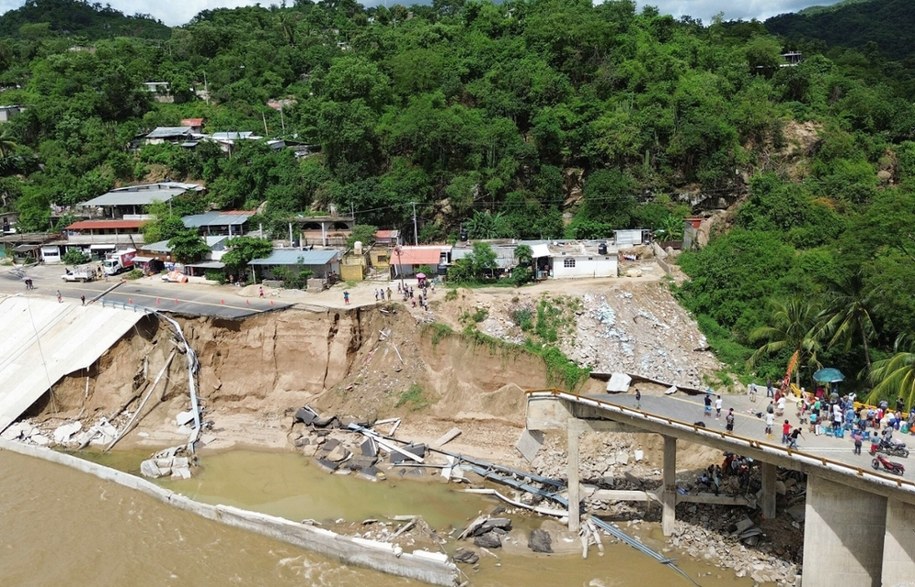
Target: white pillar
(572, 475)
(669, 491)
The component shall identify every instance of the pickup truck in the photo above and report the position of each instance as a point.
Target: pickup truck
(83, 275)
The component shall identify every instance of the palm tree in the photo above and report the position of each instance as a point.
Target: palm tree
(848, 316)
(895, 376)
(793, 327)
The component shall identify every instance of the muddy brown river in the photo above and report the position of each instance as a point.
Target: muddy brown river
(59, 526)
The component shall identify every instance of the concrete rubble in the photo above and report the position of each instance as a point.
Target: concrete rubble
(171, 462)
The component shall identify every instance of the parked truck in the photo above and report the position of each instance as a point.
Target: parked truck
(118, 261)
(83, 274)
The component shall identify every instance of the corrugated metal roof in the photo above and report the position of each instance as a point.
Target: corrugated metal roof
(296, 257)
(142, 195)
(168, 132)
(233, 135)
(414, 256)
(106, 224)
(217, 219)
(162, 246)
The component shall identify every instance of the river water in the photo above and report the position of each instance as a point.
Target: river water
(60, 526)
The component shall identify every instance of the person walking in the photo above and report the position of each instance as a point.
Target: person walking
(638, 399)
(60, 298)
(859, 440)
(708, 405)
(718, 404)
(389, 293)
(786, 431)
(346, 298)
(753, 392)
(792, 438)
(260, 291)
(729, 420)
(82, 298)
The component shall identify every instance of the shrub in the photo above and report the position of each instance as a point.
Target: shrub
(74, 257)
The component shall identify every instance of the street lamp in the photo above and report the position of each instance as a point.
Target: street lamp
(400, 268)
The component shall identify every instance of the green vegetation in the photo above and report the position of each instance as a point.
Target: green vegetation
(534, 119)
(414, 398)
(439, 331)
(74, 257)
(133, 274)
(188, 246)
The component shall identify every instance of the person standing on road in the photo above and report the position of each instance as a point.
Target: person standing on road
(770, 391)
(786, 431)
(708, 405)
(729, 420)
(82, 298)
(346, 298)
(859, 440)
(389, 293)
(718, 404)
(753, 392)
(638, 399)
(60, 298)
(770, 420)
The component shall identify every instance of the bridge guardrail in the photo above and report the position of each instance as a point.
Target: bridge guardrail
(806, 458)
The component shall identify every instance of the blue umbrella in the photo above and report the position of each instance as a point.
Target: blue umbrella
(828, 375)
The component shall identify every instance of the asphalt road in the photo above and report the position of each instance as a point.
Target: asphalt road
(689, 409)
(179, 298)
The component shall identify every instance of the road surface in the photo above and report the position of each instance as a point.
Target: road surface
(181, 298)
(689, 409)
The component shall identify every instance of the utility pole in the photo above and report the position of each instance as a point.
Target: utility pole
(415, 232)
(352, 212)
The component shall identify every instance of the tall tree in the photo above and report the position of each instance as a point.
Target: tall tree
(895, 376)
(793, 328)
(847, 316)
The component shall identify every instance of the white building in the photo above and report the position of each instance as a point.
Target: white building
(580, 259)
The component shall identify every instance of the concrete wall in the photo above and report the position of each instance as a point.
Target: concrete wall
(843, 535)
(429, 567)
(899, 545)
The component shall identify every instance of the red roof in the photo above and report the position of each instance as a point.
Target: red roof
(387, 234)
(106, 224)
(410, 256)
(192, 122)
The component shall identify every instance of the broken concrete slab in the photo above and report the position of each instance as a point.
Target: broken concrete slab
(64, 433)
(306, 415)
(181, 473)
(184, 418)
(467, 557)
(488, 540)
(447, 437)
(338, 454)
(618, 383)
(369, 448)
(326, 465)
(529, 444)
(415, 449)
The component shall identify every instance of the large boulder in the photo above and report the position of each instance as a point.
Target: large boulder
(540, 541)
(488, 540)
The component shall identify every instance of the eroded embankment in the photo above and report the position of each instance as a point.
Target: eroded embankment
(374, 362)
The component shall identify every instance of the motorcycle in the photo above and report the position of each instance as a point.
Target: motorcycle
(893, 448)
(888, 465)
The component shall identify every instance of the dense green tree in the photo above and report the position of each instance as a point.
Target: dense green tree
(187, 246)
(793, 328)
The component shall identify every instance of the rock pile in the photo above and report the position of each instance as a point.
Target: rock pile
(173, 462)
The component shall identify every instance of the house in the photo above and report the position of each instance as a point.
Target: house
(161, 91)
(95, 238)
(324, 264)
(227, 140)
(169, 134)
(228, 222)
(407, 261)
(630, 237)
(8, 222)
(504, 250)
(380, 258)
(7, 113)
(156, 255)
(131, 202)
(24, 247)
(195, 124)
(353, 265)
(568, 259)
(326, 231)
(390, 238)
(161, 250)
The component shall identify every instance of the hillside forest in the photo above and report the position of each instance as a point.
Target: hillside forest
(524, 119)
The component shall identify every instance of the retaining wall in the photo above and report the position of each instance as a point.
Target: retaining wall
(429, 567)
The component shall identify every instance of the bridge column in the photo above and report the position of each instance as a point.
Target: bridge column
(843, 535)
(669, 491)
(899, 547)
(767, 505)
(574, 430)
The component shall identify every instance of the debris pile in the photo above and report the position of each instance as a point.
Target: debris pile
(171, 462)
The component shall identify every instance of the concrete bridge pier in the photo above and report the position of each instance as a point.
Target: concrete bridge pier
(767, 499)
(899, 544)
(573, 476)
(669, 492)
(843, 535)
